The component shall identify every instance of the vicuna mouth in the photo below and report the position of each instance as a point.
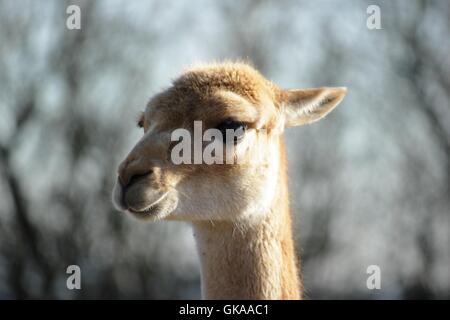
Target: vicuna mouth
(153, 209)
(150, 210)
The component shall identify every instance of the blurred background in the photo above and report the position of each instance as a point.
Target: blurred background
(370, 184)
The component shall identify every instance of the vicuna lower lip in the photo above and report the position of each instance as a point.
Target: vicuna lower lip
(150, 209)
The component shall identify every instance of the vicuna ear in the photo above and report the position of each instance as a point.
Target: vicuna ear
(302, 106)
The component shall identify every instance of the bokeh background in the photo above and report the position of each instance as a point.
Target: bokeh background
(369, 184)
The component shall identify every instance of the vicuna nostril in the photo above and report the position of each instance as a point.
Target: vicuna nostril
(138, 177)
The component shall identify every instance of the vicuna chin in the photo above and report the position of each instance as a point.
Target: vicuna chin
(239, 212)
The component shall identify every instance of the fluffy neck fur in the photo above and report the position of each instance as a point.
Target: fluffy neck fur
(255, 261)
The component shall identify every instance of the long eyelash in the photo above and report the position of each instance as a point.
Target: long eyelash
(140, 120)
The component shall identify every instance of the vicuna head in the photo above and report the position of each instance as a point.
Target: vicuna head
(222, 96)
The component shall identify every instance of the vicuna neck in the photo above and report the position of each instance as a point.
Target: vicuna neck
(255, 261)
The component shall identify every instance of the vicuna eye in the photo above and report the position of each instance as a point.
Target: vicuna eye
(238, 129)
